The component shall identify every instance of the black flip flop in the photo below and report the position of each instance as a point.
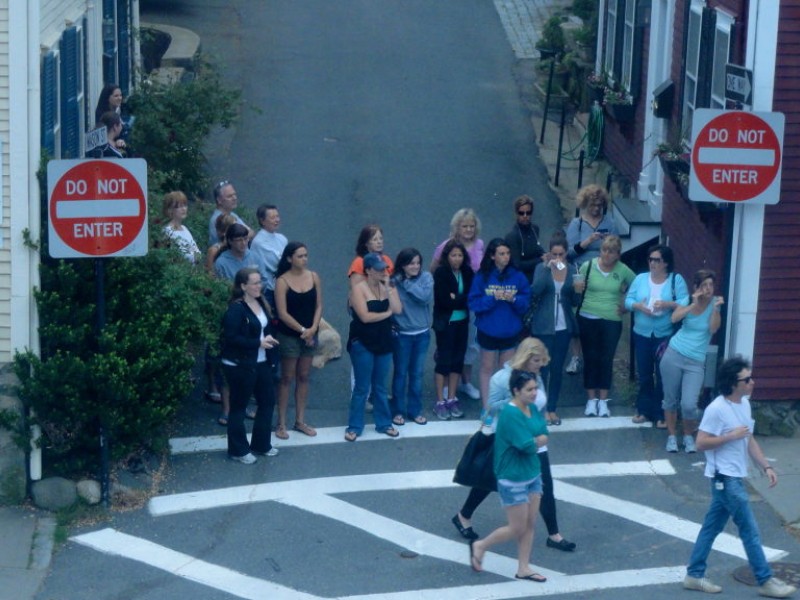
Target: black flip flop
(532, 577)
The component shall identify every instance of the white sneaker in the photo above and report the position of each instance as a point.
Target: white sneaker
(775, 588)
(247, 459)
(470, 390)
(672, 444)
(688, 444)
(573, 365)
(602, 408)
(701, 584)
(591, 407)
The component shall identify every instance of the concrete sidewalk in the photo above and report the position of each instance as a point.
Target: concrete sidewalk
(26, 547)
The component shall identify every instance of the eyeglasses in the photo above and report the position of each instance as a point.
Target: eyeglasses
(655, 259)
(524, 213)
(747, 379)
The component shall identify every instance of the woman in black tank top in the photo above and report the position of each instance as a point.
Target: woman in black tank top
(374, 301)
(298, 299)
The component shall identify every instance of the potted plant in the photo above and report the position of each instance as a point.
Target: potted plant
(674, 159)
(619, 104)
(596, 84)
(552, 42)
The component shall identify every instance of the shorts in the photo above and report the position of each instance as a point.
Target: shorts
(291, 346)
(497, 344)
(513, 493)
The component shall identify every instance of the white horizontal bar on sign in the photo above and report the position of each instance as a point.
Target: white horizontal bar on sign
(83, 209)
(740, 157)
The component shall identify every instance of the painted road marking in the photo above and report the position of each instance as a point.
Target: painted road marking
(316, 495)
(335, 435)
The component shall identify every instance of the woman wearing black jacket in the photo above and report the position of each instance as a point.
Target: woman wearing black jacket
(245, 339)
(451, 284)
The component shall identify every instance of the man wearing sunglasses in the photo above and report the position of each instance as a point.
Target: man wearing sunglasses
(523, 239)
(726, 436)
(227, 201)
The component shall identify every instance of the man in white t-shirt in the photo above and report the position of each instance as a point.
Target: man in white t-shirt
(726, 436)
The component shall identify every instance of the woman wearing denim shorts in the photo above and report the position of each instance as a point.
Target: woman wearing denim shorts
(521, 431)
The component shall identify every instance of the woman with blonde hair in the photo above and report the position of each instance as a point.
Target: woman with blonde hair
(606, 282)
(585, 234)
(531, 356)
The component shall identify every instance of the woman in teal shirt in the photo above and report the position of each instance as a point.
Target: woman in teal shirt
(652, 298)
(521, 431)
(683, 365)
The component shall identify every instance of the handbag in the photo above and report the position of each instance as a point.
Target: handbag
(476, 467)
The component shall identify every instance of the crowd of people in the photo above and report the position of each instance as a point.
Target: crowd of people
(512, 305)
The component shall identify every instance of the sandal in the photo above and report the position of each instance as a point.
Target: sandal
(303, 428)
(350, 436)
(391, 432)
(223, 420)
(399, 420)
(420, 420)
(638, 419)
(532, 577)
(280, 433)
(661, 424)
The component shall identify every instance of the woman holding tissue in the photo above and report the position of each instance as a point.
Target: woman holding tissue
(555, 292)
(652, 298)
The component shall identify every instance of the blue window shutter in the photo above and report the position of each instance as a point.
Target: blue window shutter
(49, 99)
(110, 45)
(70, 80)
(124, 45)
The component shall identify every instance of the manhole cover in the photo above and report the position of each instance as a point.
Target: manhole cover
(788, 572)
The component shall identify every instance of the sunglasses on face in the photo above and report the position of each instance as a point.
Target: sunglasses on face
(524, 213)
(747, 379)
(655, 259)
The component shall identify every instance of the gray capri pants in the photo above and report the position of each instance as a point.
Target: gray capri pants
(683, 380)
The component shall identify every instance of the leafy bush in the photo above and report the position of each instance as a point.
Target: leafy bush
(172, 123)
(159, 308)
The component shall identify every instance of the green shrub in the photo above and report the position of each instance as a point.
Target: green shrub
(159, 308)
(173, 122)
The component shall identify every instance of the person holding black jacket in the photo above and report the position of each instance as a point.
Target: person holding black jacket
(245, 340)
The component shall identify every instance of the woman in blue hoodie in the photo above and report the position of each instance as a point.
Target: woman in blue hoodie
(499, 297)
(413, 325)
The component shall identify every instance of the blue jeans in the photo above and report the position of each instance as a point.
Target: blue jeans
(557, 346)
(730, 502)
(651, 391)
(410, 352)
(370, 371)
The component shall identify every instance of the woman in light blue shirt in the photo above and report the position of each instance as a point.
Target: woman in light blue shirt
(652, 298)
(683, 364)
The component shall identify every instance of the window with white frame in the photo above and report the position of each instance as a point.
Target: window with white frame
(708, 44)
(621, 59)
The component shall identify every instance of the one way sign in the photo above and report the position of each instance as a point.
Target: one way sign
(739, 84)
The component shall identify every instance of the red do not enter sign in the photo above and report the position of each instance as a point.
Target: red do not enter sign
(97, 208)
(736, 156)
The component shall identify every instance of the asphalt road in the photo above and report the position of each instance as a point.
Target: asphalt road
(398, 112)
